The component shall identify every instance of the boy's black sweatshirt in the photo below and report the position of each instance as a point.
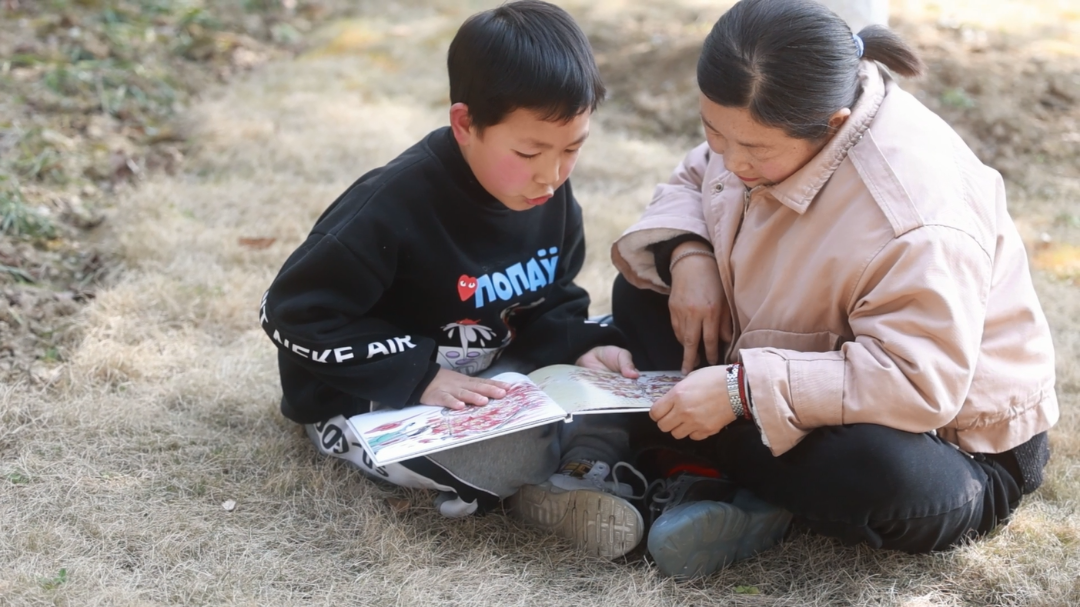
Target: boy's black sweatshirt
(417, 263)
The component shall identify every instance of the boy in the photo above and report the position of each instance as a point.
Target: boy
(461, 251)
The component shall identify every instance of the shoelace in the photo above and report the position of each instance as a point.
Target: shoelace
(634, 471)
(662, 494)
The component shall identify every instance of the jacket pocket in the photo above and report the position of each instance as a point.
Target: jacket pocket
(821, 341)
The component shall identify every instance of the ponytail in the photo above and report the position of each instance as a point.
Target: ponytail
(887, 48)
(793, 63)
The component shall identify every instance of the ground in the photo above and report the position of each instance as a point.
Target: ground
(139, 396)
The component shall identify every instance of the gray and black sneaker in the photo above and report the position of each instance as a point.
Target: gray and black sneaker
(700, 521)
(582, 504)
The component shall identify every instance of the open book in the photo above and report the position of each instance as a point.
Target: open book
(549, 394)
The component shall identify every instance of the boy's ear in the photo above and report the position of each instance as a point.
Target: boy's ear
(461, 123)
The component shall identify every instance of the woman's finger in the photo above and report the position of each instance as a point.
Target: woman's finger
(690, 350)
(680, 432)
(662, 407)
(710, 333)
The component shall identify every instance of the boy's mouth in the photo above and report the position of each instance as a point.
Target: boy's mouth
(538, 201)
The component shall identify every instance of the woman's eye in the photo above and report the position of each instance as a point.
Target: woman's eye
(526, 156)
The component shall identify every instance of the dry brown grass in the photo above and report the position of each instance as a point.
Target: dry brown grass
(117, 473)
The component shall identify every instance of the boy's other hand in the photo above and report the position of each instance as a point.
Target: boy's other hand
(454, 390)
(609, 358)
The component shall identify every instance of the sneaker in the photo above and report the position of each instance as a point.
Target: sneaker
(695, 539)
(680, 478)
(580, 504)
(448, 504)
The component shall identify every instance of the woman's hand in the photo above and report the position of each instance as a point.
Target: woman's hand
(697, 406)
(454, 390)
(696, 302)
(609, 358)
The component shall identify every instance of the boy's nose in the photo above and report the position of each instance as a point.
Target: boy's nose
(548, 175)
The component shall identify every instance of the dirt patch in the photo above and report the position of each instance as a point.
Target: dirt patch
(89, 95)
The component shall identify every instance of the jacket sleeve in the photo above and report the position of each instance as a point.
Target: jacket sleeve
(675, 210)
(559, 330)
(917, 315)
(317, 312)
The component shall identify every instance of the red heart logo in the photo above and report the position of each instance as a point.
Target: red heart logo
(466, 286)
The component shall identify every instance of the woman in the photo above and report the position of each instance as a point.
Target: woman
(876, 361)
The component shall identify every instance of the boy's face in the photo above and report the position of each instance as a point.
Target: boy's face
(522, 160)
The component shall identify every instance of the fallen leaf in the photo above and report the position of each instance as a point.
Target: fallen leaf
(228, 505)
(257, 243)
(397, 504)
(747, 590)
(1063, 261)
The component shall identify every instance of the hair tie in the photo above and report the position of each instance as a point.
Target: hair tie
(860, 46)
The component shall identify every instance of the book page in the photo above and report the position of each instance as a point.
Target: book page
(581, 390)
(393, 435)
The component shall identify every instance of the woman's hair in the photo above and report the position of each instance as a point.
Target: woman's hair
(793, 63)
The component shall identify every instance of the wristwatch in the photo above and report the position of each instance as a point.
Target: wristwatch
(733, 391)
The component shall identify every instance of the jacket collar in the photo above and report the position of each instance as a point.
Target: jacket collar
(442, 143)
(798, 190)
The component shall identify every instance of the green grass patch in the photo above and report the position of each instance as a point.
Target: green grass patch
(19, 220)
(56, 581)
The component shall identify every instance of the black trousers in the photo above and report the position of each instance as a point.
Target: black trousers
(858, 483)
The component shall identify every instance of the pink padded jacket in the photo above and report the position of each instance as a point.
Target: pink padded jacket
(884, 282)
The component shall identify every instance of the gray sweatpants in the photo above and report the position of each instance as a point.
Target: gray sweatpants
(480, 474)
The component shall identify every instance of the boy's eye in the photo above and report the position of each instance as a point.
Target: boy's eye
(526, 156)
(573, 151)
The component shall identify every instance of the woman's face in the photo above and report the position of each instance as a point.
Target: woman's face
(755, 153)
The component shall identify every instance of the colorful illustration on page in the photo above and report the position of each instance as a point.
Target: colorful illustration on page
(650, 385)
(516, 406)
(522, 403)
(655, 385)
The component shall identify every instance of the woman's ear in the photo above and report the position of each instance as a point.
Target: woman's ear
(838, 119)
(461, 123)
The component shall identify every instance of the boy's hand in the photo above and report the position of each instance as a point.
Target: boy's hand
(609, 358)
(454, 390)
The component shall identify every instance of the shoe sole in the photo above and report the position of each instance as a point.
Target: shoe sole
(597, 523)
(699, 538)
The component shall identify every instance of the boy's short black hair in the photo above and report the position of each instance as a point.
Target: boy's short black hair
(526, 54)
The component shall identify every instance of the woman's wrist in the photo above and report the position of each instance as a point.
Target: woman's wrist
(688, 249)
